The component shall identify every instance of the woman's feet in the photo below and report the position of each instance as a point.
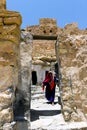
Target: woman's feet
(52, 103)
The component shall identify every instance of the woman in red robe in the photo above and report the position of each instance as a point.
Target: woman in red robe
(49, 82)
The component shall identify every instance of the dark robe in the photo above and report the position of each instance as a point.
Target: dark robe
(50, 87)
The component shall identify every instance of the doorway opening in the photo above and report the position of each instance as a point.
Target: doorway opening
(40, 107)
(34, 77)
(57, 70)
(46, 72)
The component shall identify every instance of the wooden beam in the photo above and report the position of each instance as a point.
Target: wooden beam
(44, 37)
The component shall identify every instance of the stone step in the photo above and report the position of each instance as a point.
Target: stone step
(37, 93)
(41, 96)
(41, 92)
(37, 96)
(39, 88)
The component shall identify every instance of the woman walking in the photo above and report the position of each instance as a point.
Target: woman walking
(49, 82)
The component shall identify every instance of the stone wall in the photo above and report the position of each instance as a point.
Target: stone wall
(9, 51)
(72, 62)
(47, 26)
(71, 55)
(43, 50)
(43, 55)
(2, 4)
(72, 58)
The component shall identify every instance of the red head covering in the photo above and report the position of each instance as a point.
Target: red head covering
(50, 80)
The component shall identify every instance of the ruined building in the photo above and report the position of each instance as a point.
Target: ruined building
(43, 48)
(68, 51)
(31, 53)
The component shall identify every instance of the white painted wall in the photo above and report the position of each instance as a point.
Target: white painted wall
(40, 72)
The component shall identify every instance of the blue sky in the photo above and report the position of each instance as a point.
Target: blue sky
(64, 11)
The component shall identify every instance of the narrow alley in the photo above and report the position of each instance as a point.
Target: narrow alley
(44, 116)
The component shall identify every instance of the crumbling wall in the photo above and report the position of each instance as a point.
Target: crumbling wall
(72, 59)
(43, 51)
(9, 51)
(47, 26)
(72, 62)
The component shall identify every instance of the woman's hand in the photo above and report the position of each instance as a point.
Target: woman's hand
(42, 87)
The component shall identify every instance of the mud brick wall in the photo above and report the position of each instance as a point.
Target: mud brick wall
(9, 56)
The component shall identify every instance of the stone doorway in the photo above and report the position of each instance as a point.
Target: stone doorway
(25, 94)
(40, 107)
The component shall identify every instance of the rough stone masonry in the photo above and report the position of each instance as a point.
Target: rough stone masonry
(9, 50)
(71, 54)
(72, 58)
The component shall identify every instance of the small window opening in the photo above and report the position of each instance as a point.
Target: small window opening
(44, 31)
(50, 31)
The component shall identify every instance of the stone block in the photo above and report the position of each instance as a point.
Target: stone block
(10, 29)
(78, 104)
(83, 72)
(8, 53)
(67, 114)
(5, 77)
(1, 21)
(72, 25)
(66, 96)
(63, 51)
(47, 21)
(2, 4)
(6, 116)
(12, 20)
(6, 99)
(84, 107)
(8, 126)
(75, 117)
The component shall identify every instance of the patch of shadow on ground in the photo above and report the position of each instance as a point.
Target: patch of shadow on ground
(34, 114)
(19, 116)
(21, 125)
(51, 103)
